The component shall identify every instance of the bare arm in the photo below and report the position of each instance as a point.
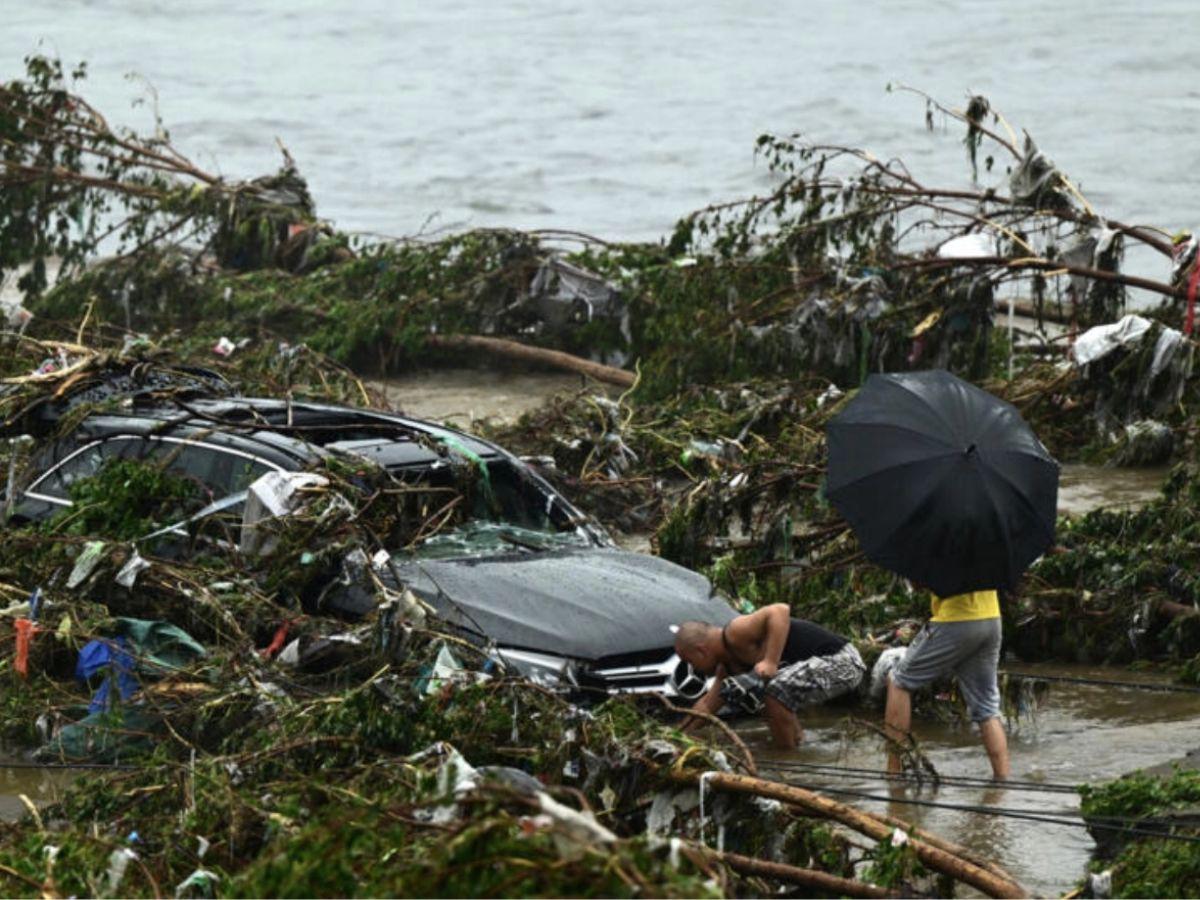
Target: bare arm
(709, 704)
(767, 627)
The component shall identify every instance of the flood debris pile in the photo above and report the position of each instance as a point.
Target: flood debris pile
(1121, 586)
(1130, 818)
(262, 743)
(273, 748)
(849, 265)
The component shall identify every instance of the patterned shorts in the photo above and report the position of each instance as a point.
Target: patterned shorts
(811, 681)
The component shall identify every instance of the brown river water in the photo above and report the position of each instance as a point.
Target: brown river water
(1079, 733)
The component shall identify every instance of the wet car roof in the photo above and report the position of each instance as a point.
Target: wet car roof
(286, 433)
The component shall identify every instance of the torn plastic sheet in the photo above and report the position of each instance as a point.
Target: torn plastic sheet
(274, 494)
(1089, 252)
(1183, 257)
(1035, 181)
(1169, 343)
(666, 807)
(277, 492)
(201, 882)
(574, 832)
(565, 295)
(445, 668)
(16, 316)
(118, 862)
(1098, 342)
(968, 246)
(85, 563)
(455, 776)
(130, 571)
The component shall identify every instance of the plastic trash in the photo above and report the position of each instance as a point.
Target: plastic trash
(129, 572)
(274, 494)
(564, 295)
(226, 347)
(118, 862)
(25, 630)
(104, 736)
(574, 832)
(968, 246)
(85, 563)
(200, 883)
(1100, 884)
(445, 668)
(110, 654)
(1098, 342)
(16, 316)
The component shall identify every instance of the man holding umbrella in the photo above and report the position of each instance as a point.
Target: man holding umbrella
(945, 484)
(963, 638)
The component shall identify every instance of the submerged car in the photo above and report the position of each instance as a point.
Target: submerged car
(532, 578)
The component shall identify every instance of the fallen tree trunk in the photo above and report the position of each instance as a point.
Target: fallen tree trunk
(865, 823)
(540, 355)
(825, 884)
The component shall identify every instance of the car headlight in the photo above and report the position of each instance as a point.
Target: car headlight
(540, 668)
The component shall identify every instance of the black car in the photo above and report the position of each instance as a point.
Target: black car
(540, 583)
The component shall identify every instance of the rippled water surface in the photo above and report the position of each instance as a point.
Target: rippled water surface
(618, 117)
(1078, 734)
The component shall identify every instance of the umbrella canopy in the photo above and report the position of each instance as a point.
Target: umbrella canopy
(942, 482)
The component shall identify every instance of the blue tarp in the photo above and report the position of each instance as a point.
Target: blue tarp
(111, 654)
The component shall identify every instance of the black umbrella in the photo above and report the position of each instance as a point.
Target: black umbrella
(942, 482)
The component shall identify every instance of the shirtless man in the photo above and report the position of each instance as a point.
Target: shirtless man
(799, 664)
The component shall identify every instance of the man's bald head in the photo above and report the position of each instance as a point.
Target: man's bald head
(698, 644)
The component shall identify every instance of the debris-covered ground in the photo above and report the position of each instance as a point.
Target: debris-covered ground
(266, 745)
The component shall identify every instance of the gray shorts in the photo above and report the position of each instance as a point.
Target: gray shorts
(968, 650)
(808, 682)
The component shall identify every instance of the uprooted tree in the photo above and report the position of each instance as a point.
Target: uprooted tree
(851, 264)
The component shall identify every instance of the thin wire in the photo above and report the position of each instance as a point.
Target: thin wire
(940, 780)
(1111, 823)
(1099, 682)
(80, 765)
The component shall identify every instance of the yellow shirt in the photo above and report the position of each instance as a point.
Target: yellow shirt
(966, 607)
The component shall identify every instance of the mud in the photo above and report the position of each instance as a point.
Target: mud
(459, 397)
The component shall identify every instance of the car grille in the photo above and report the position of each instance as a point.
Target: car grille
(659, 670)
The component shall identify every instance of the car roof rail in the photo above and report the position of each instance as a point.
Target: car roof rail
(143, 384)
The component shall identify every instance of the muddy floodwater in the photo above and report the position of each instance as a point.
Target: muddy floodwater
(459, 396)
(1079, 734)
(1083, 488)
(39, 785)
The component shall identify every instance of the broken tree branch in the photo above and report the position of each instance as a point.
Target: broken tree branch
(824, 883)
(866, 823)
(525, 353)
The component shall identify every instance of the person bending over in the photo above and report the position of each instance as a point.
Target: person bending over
(797, 663)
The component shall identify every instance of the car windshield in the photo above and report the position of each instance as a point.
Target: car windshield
(511, 512)
(477, 538)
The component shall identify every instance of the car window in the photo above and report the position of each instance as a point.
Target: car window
(220, 471)
(84, 464)
(515, 499)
